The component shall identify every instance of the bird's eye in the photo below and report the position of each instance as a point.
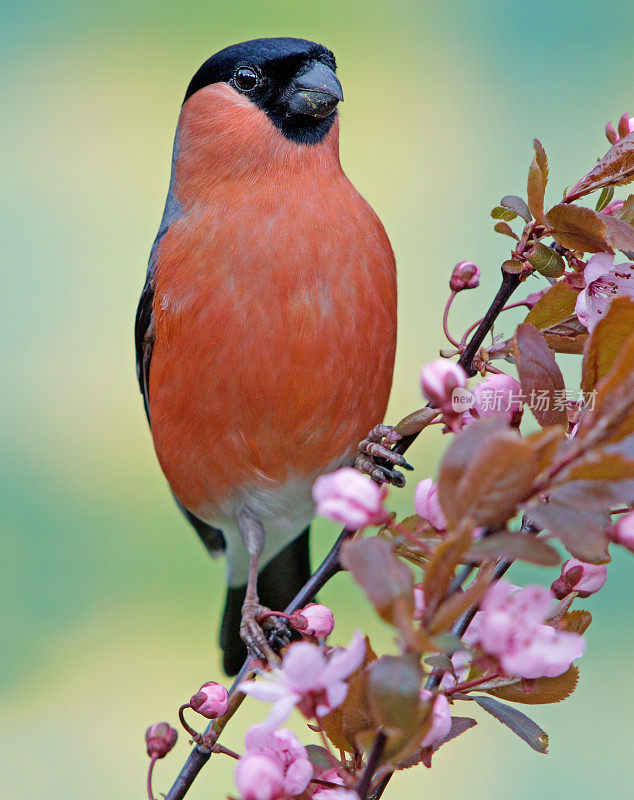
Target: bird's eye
(246, 78)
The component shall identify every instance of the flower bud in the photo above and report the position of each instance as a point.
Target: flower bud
(438, 381)
(159, 739)
(211, 700)
(350, 498)
(427, 504)
(498, 395)
(625, 125)
(623, 532)
(465, 275)
(611, 133)
(259, 777)
(579, 577)
(441, 719)
(320, 619)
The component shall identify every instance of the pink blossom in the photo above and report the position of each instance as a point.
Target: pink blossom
(211, 700)
(320, 619)
(441, 719)
(259, 777)
(498, 395)
(510, 626)
(285, 748)
(623, 532)
(438, 382)
(159, 739)
(579, 577)
(308, 679)
(427, 504)
(335, 794)
(465, 275)
(604, 280)
(350, 498)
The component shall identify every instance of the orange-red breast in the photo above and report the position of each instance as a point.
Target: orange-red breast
(266, 328)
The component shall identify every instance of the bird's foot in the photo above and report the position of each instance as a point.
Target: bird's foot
(263, 632)
(374, 449)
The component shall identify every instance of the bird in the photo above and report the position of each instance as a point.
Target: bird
(266, 329)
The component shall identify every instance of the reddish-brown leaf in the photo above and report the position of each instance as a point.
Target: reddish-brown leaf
(540, 377)
(514, 546)
(456, 605)
(614, 169)
(541, 690)
(578, 228)
(577, 621)
(606, 342)
(613, 412)
(555, 307)
(487, 470)
(442, 564)
(581, 532)
(567, 337)
(386, 580)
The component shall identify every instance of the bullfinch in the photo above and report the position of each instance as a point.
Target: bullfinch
(266, 330)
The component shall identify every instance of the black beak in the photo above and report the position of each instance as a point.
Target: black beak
(316, 92)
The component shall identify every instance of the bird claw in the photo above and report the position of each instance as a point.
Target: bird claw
(260, 636)
(375, 449)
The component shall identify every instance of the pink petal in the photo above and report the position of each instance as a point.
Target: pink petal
(598, 266)
(590, 308)
(336, 694)
(344, 662)
(266, 690)
(298, 776)
(281, 710)
(303, 666)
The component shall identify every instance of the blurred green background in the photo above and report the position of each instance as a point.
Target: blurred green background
(109, 604)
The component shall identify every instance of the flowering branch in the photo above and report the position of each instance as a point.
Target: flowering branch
(437, 576)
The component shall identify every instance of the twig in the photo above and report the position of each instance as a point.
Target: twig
(374, 758)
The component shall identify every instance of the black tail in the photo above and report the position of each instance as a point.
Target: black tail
(278, 583)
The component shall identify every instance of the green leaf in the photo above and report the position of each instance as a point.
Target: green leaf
(503, 213)
(604, 198)
(394, 684)
(519, 723)
(517, 205)
(546, 261)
